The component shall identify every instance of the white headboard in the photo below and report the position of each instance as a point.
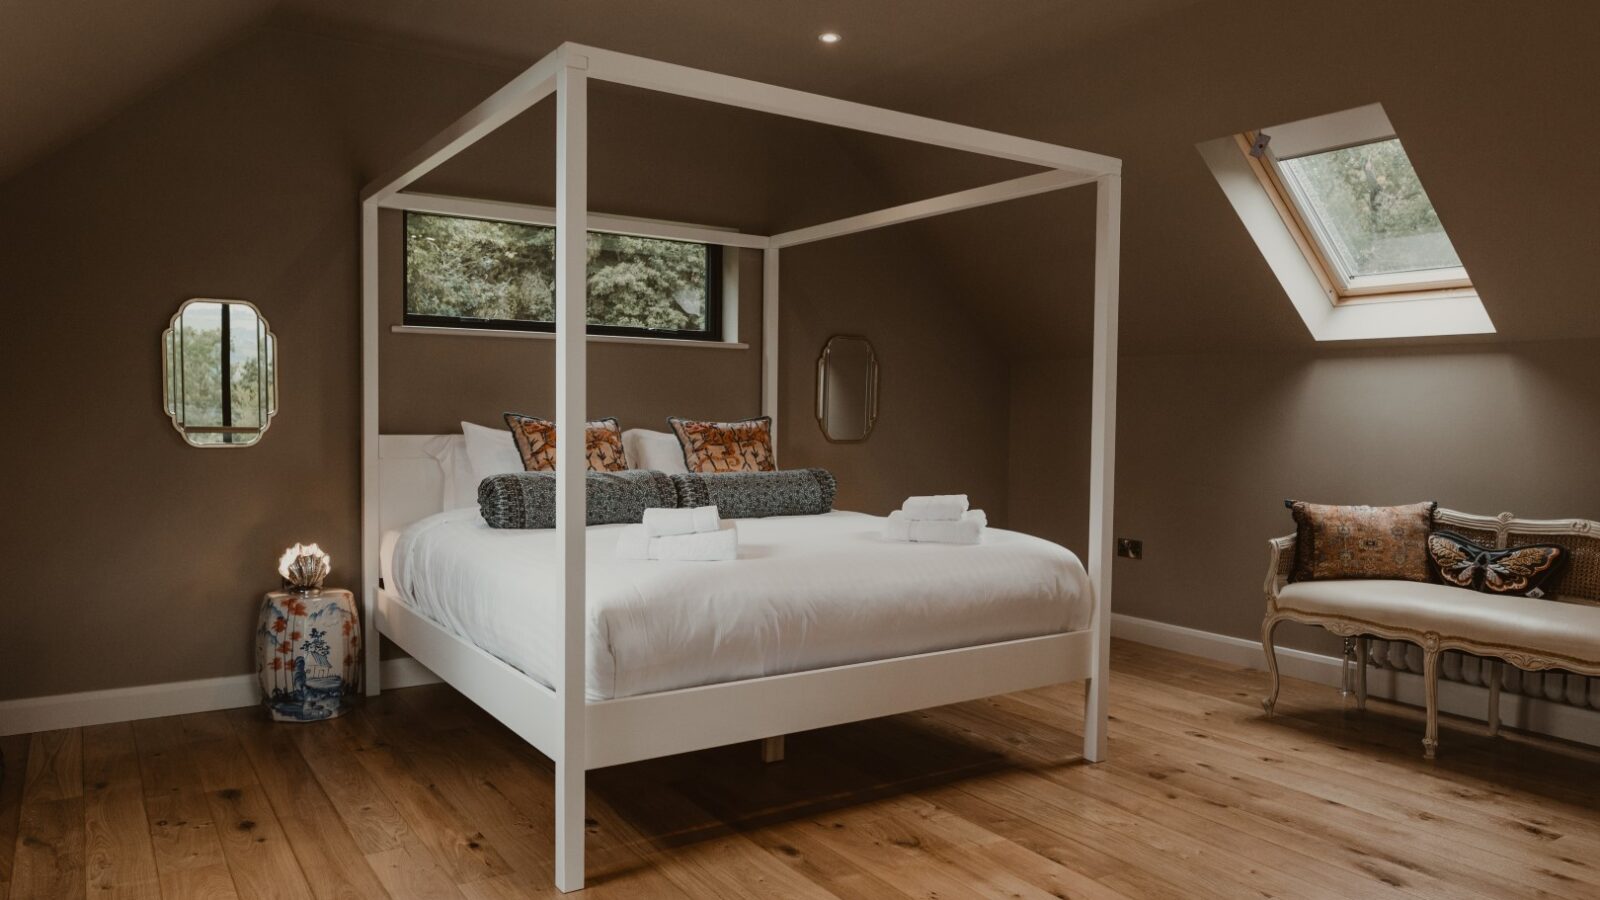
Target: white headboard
(410, 478)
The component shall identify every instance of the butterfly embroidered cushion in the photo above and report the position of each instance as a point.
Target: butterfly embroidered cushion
(726, 446)
(536, 443)
(1338, 542)
(1520, 571)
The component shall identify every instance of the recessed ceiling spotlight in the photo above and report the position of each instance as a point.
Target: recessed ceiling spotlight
(829, 37)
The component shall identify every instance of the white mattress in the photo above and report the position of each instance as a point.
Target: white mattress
(807, 592)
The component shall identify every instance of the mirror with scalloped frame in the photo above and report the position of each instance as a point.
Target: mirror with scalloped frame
(847, 389)
(221, 373)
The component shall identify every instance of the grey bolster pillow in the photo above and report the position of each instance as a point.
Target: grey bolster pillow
(528, 499)
(755, 495)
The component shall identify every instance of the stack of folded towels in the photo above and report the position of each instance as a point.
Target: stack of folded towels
(941, 519)
(695, 534)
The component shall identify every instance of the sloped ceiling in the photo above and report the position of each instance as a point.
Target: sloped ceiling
(902, 52)
(1495, 103)
(67, 64)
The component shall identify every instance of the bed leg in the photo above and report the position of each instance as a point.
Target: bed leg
(372, 643)
(1094, 718)
(1494, 697)
(772, 749)
(569, 827)
(1363, 651)
(1267, 627)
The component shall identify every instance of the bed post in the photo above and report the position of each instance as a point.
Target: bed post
(572, 250)
(769, 340)
(1102, 454)
(371, 516)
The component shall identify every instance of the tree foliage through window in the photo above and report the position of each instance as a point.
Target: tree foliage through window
(459, 268)
(1372, 209)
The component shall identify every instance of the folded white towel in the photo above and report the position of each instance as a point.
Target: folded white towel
(937, 508)
(633, 543)
(662, 522)
(705, 546)
(966, 530)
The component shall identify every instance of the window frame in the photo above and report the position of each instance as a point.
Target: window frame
(1309, 234)
(714, 292)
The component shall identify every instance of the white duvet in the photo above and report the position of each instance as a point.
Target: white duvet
(807, 592)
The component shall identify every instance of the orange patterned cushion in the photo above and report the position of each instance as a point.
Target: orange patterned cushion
(536, 441)
(1336, 542)
(726, 446)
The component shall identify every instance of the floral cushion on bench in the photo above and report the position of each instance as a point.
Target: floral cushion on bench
(1339, 542)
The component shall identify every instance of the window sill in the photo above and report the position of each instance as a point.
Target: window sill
(550, 336)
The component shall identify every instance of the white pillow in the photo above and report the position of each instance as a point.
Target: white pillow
(490, 451)
(657, 450)
(460, 489)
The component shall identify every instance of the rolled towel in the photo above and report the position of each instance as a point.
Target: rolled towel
(966, 530)
(703, 546)
(938, 508)
(662, 522)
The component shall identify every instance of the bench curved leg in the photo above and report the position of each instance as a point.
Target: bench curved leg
(1430, 680)
(1494, 696)
(1267, 627)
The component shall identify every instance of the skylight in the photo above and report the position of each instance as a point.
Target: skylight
(1351, 191)
(1341, 217)
(1370, 210)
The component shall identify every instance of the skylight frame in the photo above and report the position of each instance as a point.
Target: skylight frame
(1326, 134)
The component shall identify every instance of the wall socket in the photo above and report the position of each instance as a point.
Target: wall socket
(1130, 548)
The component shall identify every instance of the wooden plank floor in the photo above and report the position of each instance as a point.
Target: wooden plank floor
(419, 794)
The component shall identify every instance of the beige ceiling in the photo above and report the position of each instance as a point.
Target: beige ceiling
(1495, 102)
(66, 64)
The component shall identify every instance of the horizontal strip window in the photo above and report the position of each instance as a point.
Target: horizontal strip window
(463, 272)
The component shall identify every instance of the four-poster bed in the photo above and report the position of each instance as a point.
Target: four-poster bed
(398, 478)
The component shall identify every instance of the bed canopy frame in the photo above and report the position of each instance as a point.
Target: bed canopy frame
(578, 734)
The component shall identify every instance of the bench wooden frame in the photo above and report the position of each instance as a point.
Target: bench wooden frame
(1580, 584)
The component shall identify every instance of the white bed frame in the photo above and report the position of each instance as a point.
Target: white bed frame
(401, 481)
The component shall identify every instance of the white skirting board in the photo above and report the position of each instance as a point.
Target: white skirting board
(177, 698)
(1455, 698)
(151, 701)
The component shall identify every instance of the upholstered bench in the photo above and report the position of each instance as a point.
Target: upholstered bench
(1560, 630)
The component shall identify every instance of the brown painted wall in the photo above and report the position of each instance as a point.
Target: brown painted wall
(137, 559)
(943, 392)
(1210, 446)
(134, 557)
(238, 179)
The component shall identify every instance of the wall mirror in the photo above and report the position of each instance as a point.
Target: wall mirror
(221, 373)
(847, 389)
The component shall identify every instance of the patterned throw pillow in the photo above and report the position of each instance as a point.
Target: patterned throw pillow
(726, 446)
(536, 442)
(1522, 571)
(1335, 542)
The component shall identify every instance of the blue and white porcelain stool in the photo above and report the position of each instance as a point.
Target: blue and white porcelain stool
(308, 654)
